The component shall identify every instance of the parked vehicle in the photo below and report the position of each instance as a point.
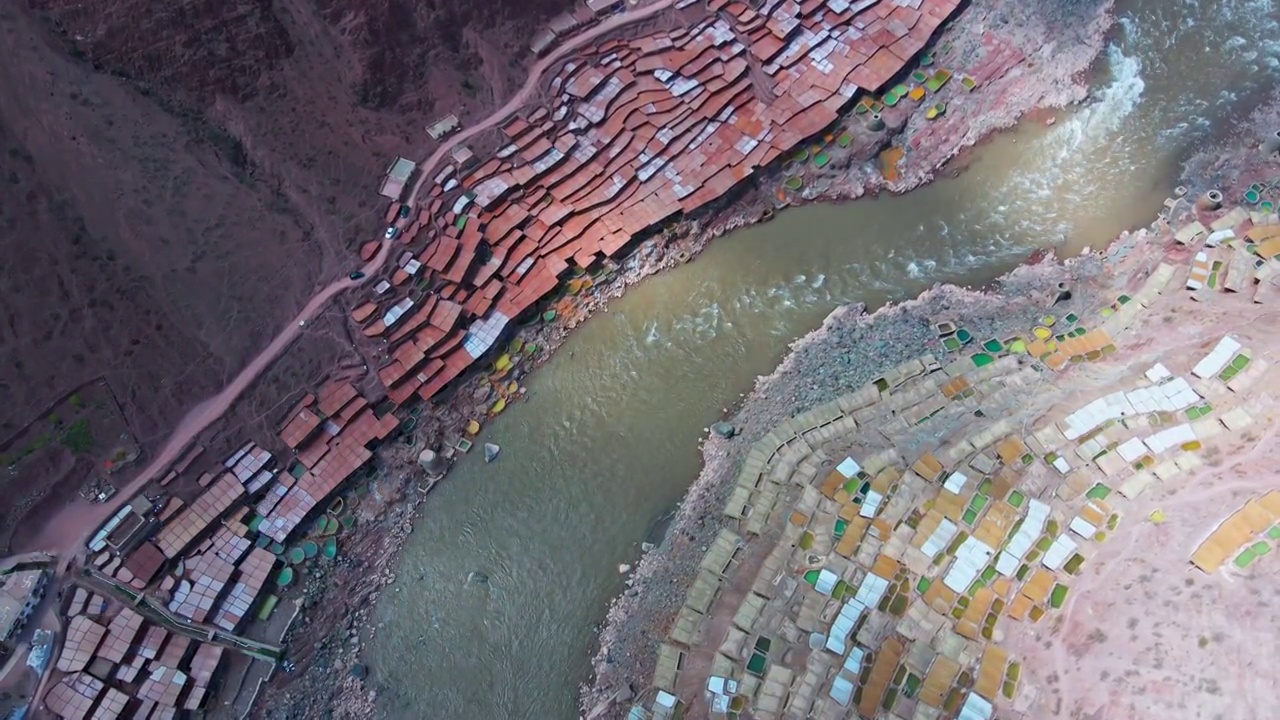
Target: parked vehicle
(356, 275)
(391, 232)
(404, 212)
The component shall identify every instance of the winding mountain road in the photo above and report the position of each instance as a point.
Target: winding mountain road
(68, 532)
(530, 86)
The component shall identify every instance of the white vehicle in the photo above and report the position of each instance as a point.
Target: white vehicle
(391, 232)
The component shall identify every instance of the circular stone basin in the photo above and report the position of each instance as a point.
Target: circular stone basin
(993, 346)
(964, 335)
(310, 549)
(1267, 207)
(1042, 333)
(330, 548)
(1047, 321)
(1252, 197)
(548, 316)
(793, 183)
(1018, 346)
(285, 578)
(982, 359)
(297, 555)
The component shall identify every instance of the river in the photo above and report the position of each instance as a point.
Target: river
(607, 444)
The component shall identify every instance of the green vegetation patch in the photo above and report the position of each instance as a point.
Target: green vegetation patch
(793, 183)
(989, 574)
(821, 159)
(1274, 532)
(1016, 498)
(77, 437)
(923, 585)
(1057, 596)
(845, 140)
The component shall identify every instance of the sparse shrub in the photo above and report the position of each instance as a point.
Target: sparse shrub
(77, 438)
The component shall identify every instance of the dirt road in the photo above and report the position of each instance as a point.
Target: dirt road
(67, 532)
(428, 166)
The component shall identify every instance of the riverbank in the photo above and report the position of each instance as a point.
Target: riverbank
(330, 639)
(851, 349)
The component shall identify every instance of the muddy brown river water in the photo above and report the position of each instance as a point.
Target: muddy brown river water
(608, 442)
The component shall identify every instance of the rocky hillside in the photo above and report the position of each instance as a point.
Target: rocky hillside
(180, 177)
(390, 54)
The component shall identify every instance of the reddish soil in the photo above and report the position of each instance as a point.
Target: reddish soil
(163, 210)
(83, 442)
